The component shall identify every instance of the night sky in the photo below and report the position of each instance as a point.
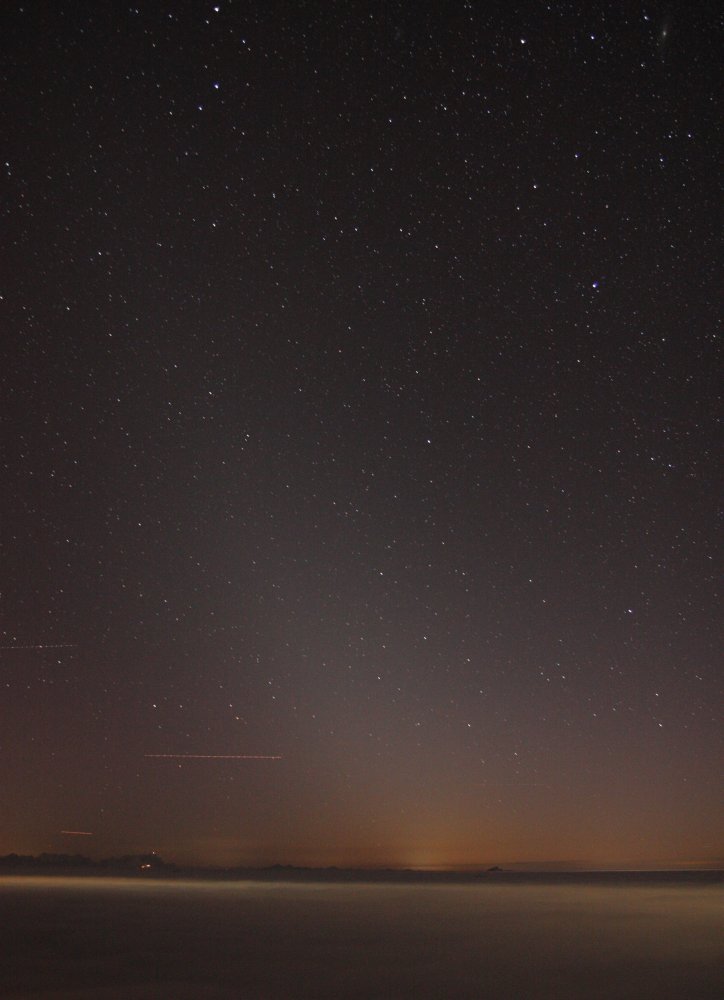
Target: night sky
(360, 409)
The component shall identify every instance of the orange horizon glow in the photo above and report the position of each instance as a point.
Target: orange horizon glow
(234, 853)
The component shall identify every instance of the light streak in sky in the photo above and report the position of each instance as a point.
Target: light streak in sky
(76, 833)
(45, 645)
(214, 756)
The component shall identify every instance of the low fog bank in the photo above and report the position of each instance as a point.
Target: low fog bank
(135, 939)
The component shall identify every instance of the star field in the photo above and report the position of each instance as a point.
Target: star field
(361, 410)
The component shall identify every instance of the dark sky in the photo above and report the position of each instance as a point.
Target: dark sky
(360, 407)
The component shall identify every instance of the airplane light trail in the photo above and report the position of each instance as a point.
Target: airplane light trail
(76, 833)
(214, 756)
(45, 645)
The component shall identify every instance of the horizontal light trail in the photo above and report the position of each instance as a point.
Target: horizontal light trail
(76, 833)
(214, 756)
(44, 645)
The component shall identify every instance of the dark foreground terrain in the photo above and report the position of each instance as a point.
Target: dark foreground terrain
(127, 939)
